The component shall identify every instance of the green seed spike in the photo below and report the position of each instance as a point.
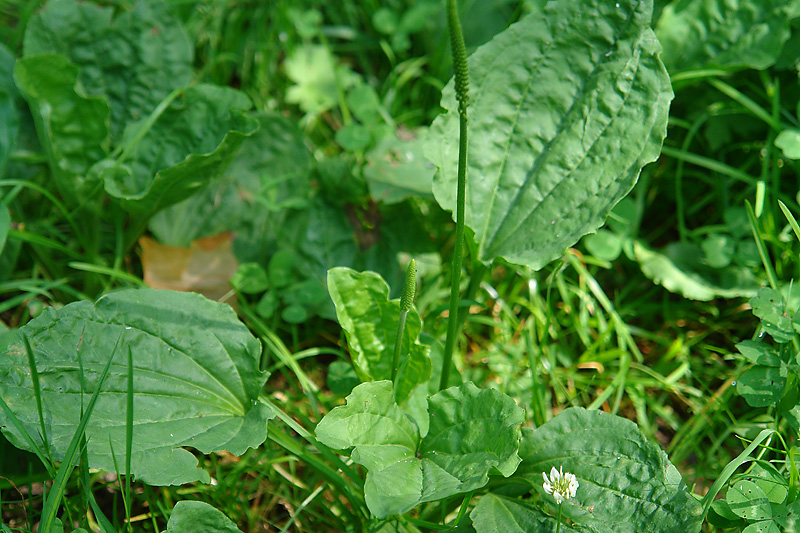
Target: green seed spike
(409, 288)
(459, 57)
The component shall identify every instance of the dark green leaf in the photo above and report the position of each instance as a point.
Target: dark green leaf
(498, 514)
(396, 169)
(9, 120)
(678, 269)
(134, 60)
(188, 146)
(270, 173)
(72, 127)
(604, 245)
(196, 381)
(565, 112)
(281, 268)
(627, 484)
(5, 225)
(717, 33)
(250, 278)
(353, 137)
(770, 480)
(341, 378)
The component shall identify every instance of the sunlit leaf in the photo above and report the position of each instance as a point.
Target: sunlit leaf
(627, 484)
(565, 111)
(472, 432)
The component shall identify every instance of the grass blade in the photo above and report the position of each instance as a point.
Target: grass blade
(51, 504)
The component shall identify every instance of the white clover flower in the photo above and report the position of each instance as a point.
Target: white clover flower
(562, 486)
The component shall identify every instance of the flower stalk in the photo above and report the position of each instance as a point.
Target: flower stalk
(462, 96)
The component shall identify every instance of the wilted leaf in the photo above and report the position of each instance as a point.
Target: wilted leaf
(205, 267)
(196, 381)
(565, 111)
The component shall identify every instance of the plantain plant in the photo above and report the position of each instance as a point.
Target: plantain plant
(565, 112)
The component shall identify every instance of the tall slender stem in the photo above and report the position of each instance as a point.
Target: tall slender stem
(462, 89)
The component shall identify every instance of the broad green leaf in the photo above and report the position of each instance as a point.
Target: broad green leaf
(678, 270)
(472, 432)
(194, 517)
(565, 111)
(134, 60)
(187, 147)
(72, 127)
(9, 120)
(369, 320)
(759, 353)
(396, 170)
(196, 381)
(500, 514)
(720, 33)
(627, 484)
(746, 499)
(762, 385)
(768, 305)
(269, 173)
